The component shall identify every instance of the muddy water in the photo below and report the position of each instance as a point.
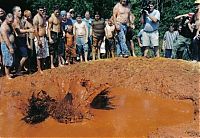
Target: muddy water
(135, 114)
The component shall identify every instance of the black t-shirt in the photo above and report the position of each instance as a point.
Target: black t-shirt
(185, 31)
(66, 23)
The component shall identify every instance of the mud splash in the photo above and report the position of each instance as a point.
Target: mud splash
(74, 107)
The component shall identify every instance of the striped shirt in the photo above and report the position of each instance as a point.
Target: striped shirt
(170, 38)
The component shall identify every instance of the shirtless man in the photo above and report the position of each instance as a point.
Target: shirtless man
(55, 36)
(81, 37)
(2, 17)
(122, 19)
(20, 33)
(41, 46)
(7, 43)
(30, 41)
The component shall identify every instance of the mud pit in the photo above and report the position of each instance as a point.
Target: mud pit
(148, 97)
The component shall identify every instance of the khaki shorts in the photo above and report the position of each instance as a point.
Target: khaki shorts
(150, 39)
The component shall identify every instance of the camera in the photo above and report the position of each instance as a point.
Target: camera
(145, 8)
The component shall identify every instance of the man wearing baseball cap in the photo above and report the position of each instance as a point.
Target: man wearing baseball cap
(72, 12)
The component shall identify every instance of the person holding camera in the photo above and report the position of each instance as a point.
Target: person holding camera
(150, 18)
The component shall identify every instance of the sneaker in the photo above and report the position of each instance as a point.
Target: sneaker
(125, 56)
(194, 61)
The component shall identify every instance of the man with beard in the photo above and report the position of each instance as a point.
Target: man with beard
(20, 41)
(123, 18)
(41, 46)
(55, 36)
(7, 44)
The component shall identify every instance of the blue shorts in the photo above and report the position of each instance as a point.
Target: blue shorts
(81, 46)
(8, 58)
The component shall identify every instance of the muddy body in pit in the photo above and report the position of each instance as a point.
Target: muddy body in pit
(163, 103)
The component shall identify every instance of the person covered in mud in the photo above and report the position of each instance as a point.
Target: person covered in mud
(7, 44)
(81, 38)
(41, 45)
(70, 46)
(55, 37)
(30, 42)
(20, 41)
(123, 18)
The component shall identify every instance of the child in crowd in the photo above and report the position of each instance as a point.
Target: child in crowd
(70, 47)
(169, 39)
(110, 43)
(129, 41)
(139, 38)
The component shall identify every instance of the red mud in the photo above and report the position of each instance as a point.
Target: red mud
(152, 97)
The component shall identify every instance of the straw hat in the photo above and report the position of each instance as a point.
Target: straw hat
(197, 1)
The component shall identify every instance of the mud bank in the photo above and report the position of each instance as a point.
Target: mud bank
(164, 94)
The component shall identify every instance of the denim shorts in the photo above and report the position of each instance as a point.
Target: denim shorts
(8, 58)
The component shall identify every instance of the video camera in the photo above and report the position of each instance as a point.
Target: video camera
(145, 6)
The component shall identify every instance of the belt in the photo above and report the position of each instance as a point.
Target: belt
(151, 31)
(56, 33)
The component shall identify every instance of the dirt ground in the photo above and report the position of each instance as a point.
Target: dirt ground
(157, 77)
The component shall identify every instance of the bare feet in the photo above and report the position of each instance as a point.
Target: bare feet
(52, 67)
(40, 71)
(9, 77)
(60, 65)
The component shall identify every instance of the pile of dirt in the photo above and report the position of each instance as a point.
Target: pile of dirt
(166, 78)
(74, 107)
